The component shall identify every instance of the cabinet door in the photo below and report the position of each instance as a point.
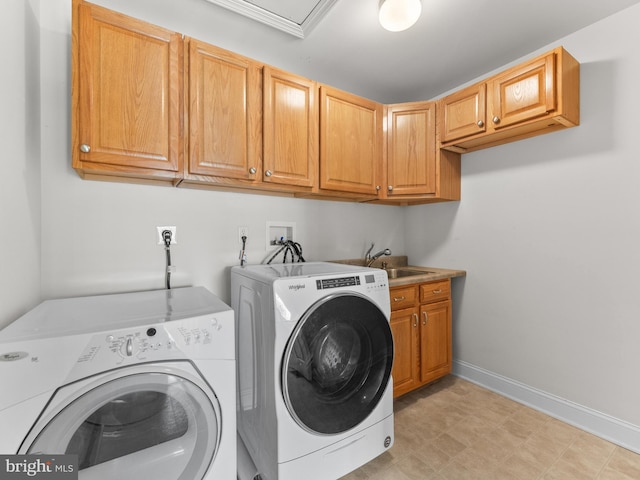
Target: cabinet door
(127, 88)
(463, 113)
(411, 149)
(435, 341)
(225, 105)
(290, 128)
(523, 93)
(405, 327)
(350, 142)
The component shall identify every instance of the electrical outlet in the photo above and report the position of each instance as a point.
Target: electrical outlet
(174, 233)
(242, 232)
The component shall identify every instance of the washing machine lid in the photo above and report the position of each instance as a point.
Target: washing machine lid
(144, 422)
(72, 316)
(337, 363)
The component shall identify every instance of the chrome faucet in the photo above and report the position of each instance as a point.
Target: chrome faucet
(372, 258)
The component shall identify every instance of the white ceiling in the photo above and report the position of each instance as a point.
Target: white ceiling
(453, 42)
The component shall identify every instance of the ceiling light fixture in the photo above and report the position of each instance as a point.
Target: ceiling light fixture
(398, 15)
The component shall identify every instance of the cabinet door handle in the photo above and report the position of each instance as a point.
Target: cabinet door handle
(252, 170)
(426, 318)
(415, 320)
(435, 292)
(84, 148)
(480, 123)
(398, 299)
(496, 119)
(268, 173)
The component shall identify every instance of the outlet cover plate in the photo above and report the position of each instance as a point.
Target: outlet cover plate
(242, 231)
(174, 233)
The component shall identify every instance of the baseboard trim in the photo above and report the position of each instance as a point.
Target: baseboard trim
(605, 426)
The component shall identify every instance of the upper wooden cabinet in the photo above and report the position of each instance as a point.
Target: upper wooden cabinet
(126, 97)
(149, 105)
(411, 149)
(290, 129)
(535, 97)
(224, 103)
(250, 126)
(350, 143)
(415, 171)
(524, 92)
(463, 113)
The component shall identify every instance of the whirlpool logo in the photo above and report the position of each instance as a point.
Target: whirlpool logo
(297, 286)
(13, 356)
(58, 467)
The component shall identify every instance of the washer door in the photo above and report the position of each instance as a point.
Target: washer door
(151, 424)
(337, 363)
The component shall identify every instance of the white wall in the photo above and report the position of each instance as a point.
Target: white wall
(548, 230)
(20, 139)
(101, 237)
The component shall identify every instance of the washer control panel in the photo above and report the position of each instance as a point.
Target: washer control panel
(376, 280)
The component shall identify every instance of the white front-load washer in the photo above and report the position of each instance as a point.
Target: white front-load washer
(137, 385)
(314, 353)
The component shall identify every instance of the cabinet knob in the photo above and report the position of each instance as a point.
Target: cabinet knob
(252, 170)
(480, 123)
(390, 188)
(377, 188)
(415, 320)
(84, 148)
(426, 318)
(496, 119)
(268, 173)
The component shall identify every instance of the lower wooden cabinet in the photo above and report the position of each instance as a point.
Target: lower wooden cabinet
(421, 327)
(435, 341)
(404, 326)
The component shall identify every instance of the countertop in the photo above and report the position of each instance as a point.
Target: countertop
(401, 261)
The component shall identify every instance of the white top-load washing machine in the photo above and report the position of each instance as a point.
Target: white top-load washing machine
(137, 385)
(314, 353)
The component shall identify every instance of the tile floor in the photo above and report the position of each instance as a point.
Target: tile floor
(455, 430)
